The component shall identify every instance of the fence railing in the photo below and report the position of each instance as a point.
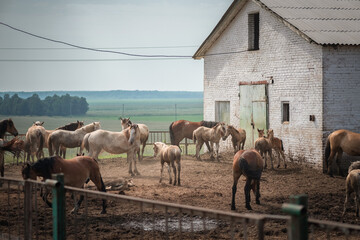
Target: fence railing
(24, 215)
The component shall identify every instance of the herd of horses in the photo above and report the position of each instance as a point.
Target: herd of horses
(81, 169)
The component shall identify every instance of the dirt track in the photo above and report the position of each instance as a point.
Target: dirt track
(208, 184)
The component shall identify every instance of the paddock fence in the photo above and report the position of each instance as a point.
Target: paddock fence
(24, 215)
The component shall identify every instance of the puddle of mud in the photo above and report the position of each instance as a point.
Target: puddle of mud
(188, 224)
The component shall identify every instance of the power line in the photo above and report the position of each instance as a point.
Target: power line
(100, 48)
(94, 49)
(91, 60)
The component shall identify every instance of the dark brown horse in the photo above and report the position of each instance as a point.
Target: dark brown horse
(181, 129)
(77, 171)
(72, 126)
(338, 142)
(9, 147)
(7, 125)
(250, 164)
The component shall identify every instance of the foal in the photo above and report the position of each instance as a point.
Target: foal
(169, 154)
(263, 146)
(353, 185)
(277, 145)
(238, 137)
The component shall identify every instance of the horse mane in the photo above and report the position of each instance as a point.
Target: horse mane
(70, 126)
(208, 124)
(3, 126)
(43, 167)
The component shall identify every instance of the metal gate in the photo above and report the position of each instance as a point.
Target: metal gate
(253, 109)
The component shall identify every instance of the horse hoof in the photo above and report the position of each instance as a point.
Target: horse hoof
(257, 202)
(285, 166)
(103, 212)
(278, 166)
(233, 208)
(248, 207)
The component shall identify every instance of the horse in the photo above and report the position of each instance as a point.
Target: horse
(9, 147)
(238, 137)
(77, 171)
(7, 125)
(212, 135)
(181, 129)
(144, 134)
(353, 186)
(70, 139)
(277, 145)
(264, 147)
(19, 147)
(170, 155)
(32, 141)
(69, 127)
(126, 141)
(250, 164)
(338, 142)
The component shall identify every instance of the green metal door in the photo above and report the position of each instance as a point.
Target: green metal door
(253, 111)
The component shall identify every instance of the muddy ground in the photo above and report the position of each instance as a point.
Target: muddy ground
(205, 184)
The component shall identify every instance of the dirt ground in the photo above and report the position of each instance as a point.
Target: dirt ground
(208, 184)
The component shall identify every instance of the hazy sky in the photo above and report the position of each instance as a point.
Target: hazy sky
(150, 27)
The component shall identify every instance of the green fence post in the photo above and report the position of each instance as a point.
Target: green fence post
(58, 205)
(297, 208)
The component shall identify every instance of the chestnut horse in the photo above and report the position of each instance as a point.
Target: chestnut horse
(181, 129)
(77, 171)
(144, 134)
(9, 147)
(238, 137)
(250, 164)
(170, 155)
(277, 145)
(353, 186)
(264, 147)
(7, 125)
(338, 142)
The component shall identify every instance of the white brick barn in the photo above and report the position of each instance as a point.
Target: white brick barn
(293, 66)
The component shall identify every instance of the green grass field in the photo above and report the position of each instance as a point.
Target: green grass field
(157, 114)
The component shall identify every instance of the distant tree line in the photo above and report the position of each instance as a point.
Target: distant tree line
(64, 105)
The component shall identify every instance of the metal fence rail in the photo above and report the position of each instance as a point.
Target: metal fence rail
(24, 215)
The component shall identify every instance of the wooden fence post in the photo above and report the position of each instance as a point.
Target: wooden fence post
(28, 210)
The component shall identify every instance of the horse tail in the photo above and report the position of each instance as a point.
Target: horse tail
(50, 146)
(194, 137)
(327, 154)
(172, 137)
(41, 146)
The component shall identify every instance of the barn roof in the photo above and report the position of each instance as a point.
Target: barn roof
(325, 22)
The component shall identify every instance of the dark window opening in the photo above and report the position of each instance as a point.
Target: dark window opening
(285, 112)
(253, 31)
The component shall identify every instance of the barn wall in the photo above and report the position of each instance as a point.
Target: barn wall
(295, 66)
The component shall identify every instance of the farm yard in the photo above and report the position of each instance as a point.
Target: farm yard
(203, 184)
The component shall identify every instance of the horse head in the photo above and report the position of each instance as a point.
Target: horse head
(157, 147)
(261, 132)
(125, 122)
(134, 133)
(27, 172)
(80, 123)
(270, 133)
(10, 127)
(96, 125)
(223, 130)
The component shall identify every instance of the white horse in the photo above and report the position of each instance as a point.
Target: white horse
(170, 155)
(212, 135)
(32, 140)
(69, 139)
(126, 141)
(144, 134)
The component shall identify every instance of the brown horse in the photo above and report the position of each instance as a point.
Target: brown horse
(277, 145)
(144, 134)
(250, 164)
(238, 137)
(77, 171)
(181, 129)
(213, 135)
(338, 142)
(7, 125)
(264, 147)
(170, 155)
(9, 147)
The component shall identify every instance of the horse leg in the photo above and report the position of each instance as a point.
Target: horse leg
(129, 160)
(330, 162)
(283, 157)
(247, 189)
(169, 171)
(142, 150)
(271, 160)
(45, 196)
(347, 195)
(338, 161)
(257, 191)
(77, 204)
(198, 147)
(134, 161)
(178, 169)
(263, 155)
(234, 188)
(217, 151)
(357, 202)
(99, 183)
(161, 170)
(208, 146)
(174, 170)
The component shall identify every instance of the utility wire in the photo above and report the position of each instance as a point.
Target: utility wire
(94, 49)
(90, 60)
(50, 48)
